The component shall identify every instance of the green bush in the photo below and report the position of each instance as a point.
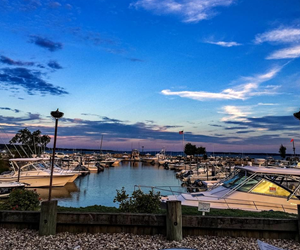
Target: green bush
(139, 202)
(22, 200)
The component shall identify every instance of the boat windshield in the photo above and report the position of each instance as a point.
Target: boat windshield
(262, 185)
(269, 188)
(29, 167)
(239, 178)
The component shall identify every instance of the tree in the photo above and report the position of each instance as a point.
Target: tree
(282, 151)
(201, 150)
(34, 140)
(190, 149)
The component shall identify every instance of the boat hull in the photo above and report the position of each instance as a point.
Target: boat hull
(40, 181)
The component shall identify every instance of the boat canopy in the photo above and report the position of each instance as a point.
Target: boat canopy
(263, 170)
(29, 159)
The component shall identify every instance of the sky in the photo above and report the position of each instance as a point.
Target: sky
(226, 72)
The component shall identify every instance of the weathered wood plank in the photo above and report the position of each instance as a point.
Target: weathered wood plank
(240, 223)
(48, 217)
(174, 220)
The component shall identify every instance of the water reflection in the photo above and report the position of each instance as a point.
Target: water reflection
(100, 188)
(57, 192)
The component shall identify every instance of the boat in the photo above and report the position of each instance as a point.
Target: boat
(7, 187)
(33, 172)
(135, 155)
(250, 188)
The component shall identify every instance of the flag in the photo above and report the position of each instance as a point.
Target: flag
(181, 132)
(291, 140)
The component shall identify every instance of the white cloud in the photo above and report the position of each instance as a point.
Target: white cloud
(288, 35)
(266, 104)
(235, 114)
(192, 11)
(282, 36)
(225, 44)
(287, 53)
(244, 91)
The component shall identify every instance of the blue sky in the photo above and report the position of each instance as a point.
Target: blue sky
(226, 72)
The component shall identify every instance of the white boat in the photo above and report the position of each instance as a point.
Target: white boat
(250, 188)
(31, 171)
(7, 187)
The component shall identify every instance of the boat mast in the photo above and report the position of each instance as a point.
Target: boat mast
(101, 144)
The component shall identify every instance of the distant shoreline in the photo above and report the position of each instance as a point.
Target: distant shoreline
(3, 147)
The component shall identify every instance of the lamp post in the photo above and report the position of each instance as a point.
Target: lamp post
(56, 115)
(297, 116)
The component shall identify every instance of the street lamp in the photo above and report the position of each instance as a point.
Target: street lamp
(296, 115)
(56, 115)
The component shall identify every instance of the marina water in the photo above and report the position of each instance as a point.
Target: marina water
(100, 188)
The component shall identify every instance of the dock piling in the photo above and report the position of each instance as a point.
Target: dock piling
(174, 221)
(48, 217)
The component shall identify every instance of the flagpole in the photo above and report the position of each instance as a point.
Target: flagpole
(183, 142)
(294, 148)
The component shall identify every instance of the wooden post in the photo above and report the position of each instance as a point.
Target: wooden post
(174, 220)
(48, 218)
(298, 206)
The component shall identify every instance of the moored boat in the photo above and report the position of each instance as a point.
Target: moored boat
(7, 187)
(31, 171)
(250, 188)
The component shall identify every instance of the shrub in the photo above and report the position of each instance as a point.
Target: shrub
(139, 202)
(22, 200)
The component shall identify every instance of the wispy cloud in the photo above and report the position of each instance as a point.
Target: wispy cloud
(225, 44)
(244, 91)
(30, 80)
(132, 59)
(9, 61)
(10, 109)
(54, 65)
(45, 43)
(192, 11)
(267, 123)
(266, 104)
(287, 53)
(287, 35)
(234, 113)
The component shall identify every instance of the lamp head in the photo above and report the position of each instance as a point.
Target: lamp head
(297, 115)
(57, 114)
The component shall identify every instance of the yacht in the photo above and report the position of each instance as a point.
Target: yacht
(33, 172)
(250, 188)
(7, 187)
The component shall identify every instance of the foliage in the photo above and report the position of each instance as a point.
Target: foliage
(33, 140)
(191, 149)
(282, 151)
(190, 211)
(4, 164)
(139, 202)
(201, 151)
(238, 213)
(95, 208)
(22, 200)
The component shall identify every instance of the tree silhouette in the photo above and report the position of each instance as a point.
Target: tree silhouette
(34, 140)
(191, 149)
(282, 151)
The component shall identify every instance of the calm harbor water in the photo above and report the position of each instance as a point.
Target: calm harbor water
(100, 188)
